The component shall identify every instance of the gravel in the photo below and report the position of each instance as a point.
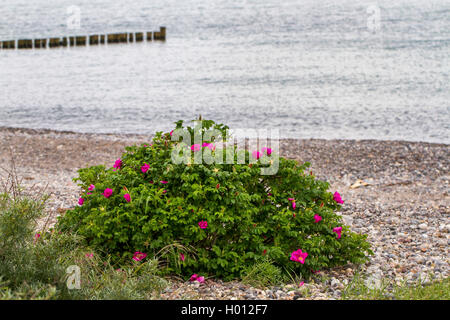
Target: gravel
(403, 204)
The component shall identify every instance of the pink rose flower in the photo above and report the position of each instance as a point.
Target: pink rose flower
(118, 164)
(337, 198)
(182, 257)
(127, 197)
(299, 256)
(196, 277)
(163, 182)
(256, 154)
(203, 224)
(193, 277)
(107, 193)
(91, 187)
(301, 284)
(210, 146)
(338, 231)
(294, 205)
(138, 256)
(317, 218)
(201, 279)
(145, 168)
(80, 201)
(36, 237)
(195, 147)
(267, 150)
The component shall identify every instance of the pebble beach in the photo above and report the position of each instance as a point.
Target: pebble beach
(396, 192)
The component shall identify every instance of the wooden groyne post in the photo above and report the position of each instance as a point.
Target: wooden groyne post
(161, 35)
(10, 44)
(94, 40)
(54, 42)
(80, 41)
(40, 43)
(25, 44)
(139, 36)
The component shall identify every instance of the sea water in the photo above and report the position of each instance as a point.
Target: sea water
(311, 69)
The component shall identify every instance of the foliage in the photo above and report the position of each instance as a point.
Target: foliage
(263, 274)
(248, 215)
(33, 264)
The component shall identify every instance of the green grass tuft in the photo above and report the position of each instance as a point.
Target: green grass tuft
(359, 289)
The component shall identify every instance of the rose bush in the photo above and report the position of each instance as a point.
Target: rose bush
(217, 218)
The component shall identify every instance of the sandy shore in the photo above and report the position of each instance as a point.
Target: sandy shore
(404, 208)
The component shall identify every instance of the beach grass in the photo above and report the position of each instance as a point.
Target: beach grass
(43, 265)
(360, 289)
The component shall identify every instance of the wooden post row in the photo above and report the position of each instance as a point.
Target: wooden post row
(82, 40)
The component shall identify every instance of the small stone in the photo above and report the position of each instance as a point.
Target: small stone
(420, 259)
(297, 295)
(289, 286)
(402, 269)
(423, 226)
(335, 283)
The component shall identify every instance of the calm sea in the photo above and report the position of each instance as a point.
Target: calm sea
(312, 69)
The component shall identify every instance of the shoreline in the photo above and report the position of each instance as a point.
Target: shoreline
(52, 132)
(404, 209)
